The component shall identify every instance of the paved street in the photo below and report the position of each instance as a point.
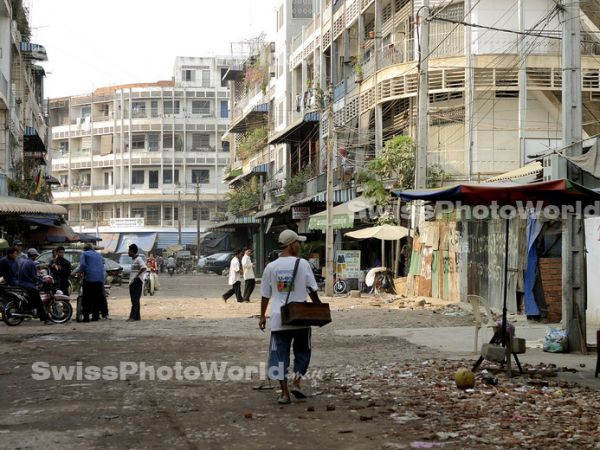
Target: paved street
(370, 391)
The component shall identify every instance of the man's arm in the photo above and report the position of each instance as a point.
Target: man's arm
(262, 322)
(142, 269)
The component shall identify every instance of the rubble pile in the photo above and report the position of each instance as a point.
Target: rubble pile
(534, 410)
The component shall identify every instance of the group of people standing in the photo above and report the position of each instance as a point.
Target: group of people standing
(238, 270)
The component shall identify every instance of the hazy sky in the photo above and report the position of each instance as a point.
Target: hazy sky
(97, 43)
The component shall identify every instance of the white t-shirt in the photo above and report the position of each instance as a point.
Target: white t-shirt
(136, 266)
(248, 267)
(276, 281)
(234, 271)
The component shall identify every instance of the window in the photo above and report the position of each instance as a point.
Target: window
(168, 213)
(137, 177)
(86, 214)
(137, 212)
(204, 213)
(168, 176)
(225, 145)
(200, 141)
(138, 141)
(138, 109)
(153, 215)
(108, 179)
(153, 139)
(64, 180)
(117, 213)
(301, 9)
(175, 213)
(86, 111)
(200, 107)
(154, 108)
(168, 140)
(188, 75)
(171, 107)
(206, 78)
(200, 176)
(224, 109)
(63, 146)
(223, 72)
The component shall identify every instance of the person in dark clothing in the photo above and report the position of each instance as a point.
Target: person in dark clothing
(29, 281)
(91, 264)
(61, 270)
(9, 268)
(138, 267)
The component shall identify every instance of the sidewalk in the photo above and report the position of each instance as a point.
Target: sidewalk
(458, 343)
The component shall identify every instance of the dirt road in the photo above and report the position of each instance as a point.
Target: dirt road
(364, 395)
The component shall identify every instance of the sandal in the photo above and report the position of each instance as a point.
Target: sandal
(297, 392)
(283, 400)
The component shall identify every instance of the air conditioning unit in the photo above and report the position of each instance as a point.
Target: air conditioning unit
(554, 167)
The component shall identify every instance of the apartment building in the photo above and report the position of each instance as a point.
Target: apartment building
(145, 153)
(494, 95)
(23, 128)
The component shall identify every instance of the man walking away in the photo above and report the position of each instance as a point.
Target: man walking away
(91, 265)
(138, 267)
(235, 278)
(9, 268)
(61, 270)
(277, 281)
(249, 278)
(29, 280)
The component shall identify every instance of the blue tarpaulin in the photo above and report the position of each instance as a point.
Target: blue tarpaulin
(534, 227)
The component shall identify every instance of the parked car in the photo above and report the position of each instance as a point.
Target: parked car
(218, 263)
(125, 261)
(113, 270)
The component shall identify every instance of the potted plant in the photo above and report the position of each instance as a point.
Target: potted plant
(358, 69)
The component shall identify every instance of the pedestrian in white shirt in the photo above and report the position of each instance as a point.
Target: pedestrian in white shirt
(235, 278)
(278, 279)
(249, 278)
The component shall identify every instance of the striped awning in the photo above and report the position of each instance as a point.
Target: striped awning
(533, 168)
(238, 221)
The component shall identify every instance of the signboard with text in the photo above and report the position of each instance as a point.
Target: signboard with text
(300, 212)
(347, 263)
(129, 222)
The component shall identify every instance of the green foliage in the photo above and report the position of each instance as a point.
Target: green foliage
(297, 183)
(252, 142)
(245, 197)
(257, 74)
(387, 219)
(358, 67)
(394, 167)
(23, 184)
(310, 247)
(20, 16)
(436, 175)
(232, 173)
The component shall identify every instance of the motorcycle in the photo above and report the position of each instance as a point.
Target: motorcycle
(171, 270)
(57, 305)
(148, 285)
(79, 312)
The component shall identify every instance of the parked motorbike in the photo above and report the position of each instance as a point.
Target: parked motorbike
(57, 305)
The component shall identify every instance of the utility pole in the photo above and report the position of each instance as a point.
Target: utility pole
(522, 83)
(574, 283)
(329, 224)
(423, 105)
(179, 214)
(198, 220)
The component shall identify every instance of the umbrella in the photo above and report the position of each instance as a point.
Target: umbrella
(61, 233)
(381, 232)
(3, 243)
(555, 192)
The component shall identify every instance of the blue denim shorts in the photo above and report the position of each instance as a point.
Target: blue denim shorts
(279, 352)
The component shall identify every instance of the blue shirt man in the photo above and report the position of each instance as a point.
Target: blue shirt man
(28, 276)
(9, 268)
(91, 264)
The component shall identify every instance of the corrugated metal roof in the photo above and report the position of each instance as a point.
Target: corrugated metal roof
(15, 205)
(530, 169)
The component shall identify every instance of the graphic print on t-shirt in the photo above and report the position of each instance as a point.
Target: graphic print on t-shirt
(284, 280)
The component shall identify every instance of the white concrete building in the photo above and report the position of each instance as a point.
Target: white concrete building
(146, 150)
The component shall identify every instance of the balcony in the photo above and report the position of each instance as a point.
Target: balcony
(4, 90)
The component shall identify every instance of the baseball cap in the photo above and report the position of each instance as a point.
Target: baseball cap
(288, 237)
(32, 252)
(17, 242)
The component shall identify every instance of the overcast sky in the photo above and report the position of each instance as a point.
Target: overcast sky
(92, 44)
